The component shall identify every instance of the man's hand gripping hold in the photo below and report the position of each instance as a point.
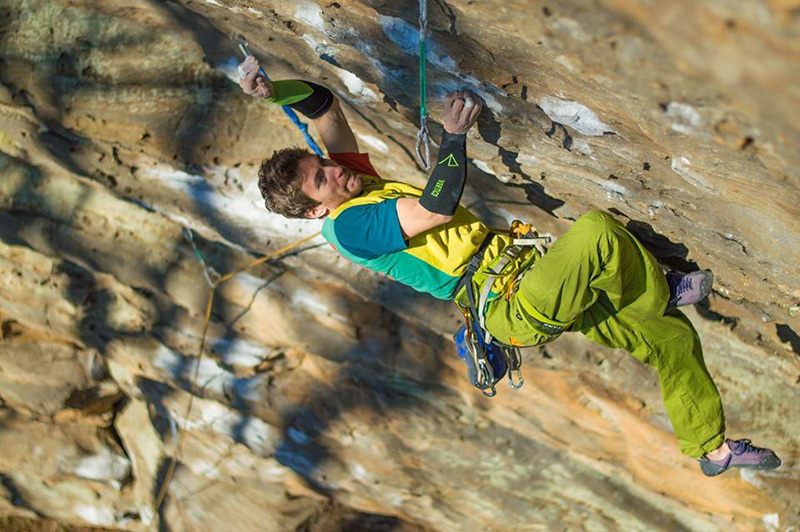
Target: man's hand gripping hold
(446, 184)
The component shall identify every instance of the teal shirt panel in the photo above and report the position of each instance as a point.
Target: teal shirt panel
(399, 266)
(370, 230)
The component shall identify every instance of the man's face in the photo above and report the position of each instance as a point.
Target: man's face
(328, 183)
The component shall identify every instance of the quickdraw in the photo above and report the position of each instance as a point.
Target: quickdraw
(209, 273)
(423, 147)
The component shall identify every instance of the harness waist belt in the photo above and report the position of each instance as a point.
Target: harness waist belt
(474, 263)
(542, 323)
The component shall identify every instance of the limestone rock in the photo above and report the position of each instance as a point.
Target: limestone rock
(327, 398)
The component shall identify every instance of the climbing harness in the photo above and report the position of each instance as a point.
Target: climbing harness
(423, 147)
(302, 126)
(178, 444)
(488, 360)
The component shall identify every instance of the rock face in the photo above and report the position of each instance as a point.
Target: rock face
(328, 398)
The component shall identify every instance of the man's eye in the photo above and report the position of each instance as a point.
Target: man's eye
(319, 179)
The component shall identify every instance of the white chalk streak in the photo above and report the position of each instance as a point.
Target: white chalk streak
(374, 142)
(686, 118)
(311, 15)
(356, 86)
(483, 167)
(103, 466)
(574, 115)
(96, 515)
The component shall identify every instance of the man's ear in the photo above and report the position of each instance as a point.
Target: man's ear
(318, 211)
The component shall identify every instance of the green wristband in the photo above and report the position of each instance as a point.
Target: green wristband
(289, 91)
(305, 97)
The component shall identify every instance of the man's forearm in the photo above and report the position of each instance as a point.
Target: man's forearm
(320, 105)
(446, 184)
(305, 97)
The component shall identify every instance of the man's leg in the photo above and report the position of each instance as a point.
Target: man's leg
(671, 345)
(600, 279)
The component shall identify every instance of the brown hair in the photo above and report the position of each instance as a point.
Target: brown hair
(280, 185)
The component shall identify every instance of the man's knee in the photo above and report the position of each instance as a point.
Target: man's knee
(596, 221)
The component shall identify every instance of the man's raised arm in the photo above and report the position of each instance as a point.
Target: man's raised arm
(313, 101)
(440, 199)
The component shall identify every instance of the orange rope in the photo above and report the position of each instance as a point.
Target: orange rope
(162, 492)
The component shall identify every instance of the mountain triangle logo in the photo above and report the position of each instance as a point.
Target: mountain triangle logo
(450, 160)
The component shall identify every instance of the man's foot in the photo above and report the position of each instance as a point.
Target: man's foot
(688, 288)
(742, 454)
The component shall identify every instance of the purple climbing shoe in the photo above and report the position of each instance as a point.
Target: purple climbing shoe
(742, 454)
(688, 288)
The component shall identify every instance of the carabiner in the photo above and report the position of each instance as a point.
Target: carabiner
(486, 374)
(520, 382)
(514, 363)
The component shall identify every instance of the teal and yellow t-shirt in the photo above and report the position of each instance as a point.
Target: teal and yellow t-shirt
(366, 231)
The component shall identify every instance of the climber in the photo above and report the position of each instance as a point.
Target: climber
(597, 278)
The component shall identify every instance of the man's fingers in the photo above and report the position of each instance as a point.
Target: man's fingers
(462, 108)
(250, 82)
(468, 106)
(475, 111)
(456, 107)
(250, 76)
(250, 64)
(472, 106)
(264, 88)
(466, 113)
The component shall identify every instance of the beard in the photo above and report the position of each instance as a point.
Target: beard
(351, 183)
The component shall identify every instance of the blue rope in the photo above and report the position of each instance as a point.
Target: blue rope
(303, 129)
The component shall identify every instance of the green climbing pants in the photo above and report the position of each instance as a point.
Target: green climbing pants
(598, 279)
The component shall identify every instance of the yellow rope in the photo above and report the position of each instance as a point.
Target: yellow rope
(209, 305)
(162, 492)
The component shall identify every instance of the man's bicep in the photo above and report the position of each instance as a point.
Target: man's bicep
(415, 219)
(335, 131)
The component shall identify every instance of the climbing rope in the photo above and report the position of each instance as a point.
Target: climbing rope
(177, 442)
(302, 126)
(423, 148)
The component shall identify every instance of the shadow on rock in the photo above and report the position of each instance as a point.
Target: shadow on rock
(365, 389)
(704, 309)
(672, 254)
(395, 367)
(787, 335)
(16, 495)
(490, 131)
(536, 195)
